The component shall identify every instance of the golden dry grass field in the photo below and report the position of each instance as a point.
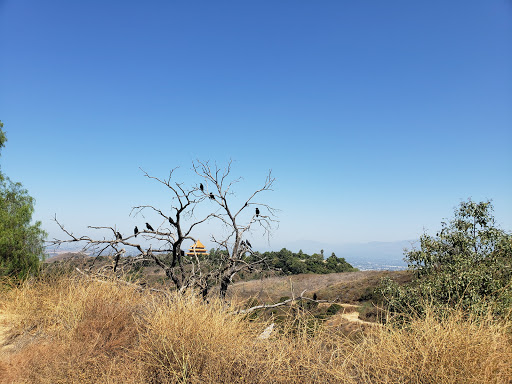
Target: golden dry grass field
(78, 330)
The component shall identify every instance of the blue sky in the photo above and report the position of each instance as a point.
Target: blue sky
(376, 118)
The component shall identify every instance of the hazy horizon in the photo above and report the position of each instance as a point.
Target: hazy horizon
(371, 255)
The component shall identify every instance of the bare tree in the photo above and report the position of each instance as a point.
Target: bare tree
(165, 242)
(237, 252)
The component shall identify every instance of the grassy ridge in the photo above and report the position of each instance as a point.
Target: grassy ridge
(73, 330)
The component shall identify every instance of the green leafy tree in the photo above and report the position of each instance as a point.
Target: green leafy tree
(337, 264)
(21, 243)
(467, 264)
(316, 263)
(290, 263)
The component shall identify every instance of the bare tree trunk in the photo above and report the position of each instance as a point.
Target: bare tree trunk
(224, 284)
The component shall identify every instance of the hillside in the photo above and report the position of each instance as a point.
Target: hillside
(345, 287)
(80, 330)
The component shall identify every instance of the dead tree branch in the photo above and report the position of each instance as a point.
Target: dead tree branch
(237, 253)
(280, 304)
(177, 226)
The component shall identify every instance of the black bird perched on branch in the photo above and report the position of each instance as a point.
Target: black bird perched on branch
(211, 196)
(201, 187)
(118, 236)
(135, 231)
(149, 227)
(257, 212)
(248, 244)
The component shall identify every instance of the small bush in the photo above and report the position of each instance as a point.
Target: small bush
(333, 309)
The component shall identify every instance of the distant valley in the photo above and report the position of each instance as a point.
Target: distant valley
(375, 255)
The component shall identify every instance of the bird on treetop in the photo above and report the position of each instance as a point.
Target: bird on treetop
(257, 212)
(201, 187)
(211, 196)
(149, 227)
(249, 244)
(135, 231)
(118, 236)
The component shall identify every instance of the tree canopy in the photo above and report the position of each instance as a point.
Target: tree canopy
(466, 264)
(291, 263)
(21, 243)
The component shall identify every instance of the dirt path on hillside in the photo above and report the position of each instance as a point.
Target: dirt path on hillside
(349, 314)
(353, 317)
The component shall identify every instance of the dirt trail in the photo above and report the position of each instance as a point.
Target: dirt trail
(353, 317)
(351, 314)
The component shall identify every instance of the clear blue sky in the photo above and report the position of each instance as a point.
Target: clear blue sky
(376, 118)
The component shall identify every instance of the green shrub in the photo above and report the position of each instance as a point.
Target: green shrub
(466, 265)
(333, 309)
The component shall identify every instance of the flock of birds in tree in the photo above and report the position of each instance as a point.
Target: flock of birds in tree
(136, 230)
(150, 228)
(212, 197)
(182, 253)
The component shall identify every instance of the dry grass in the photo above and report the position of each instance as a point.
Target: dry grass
(455, 349)
(73, 330)
(347, 287)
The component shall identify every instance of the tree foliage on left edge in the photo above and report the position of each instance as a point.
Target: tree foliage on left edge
(21, 243)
